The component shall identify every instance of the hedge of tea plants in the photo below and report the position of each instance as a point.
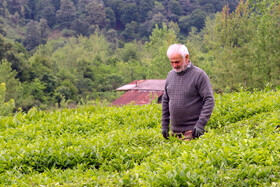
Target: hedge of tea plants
(122, 146)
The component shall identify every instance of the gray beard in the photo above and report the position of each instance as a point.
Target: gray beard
(181, 69)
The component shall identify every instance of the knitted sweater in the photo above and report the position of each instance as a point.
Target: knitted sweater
(188, 100)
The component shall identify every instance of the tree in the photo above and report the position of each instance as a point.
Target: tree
(112, 37)
(130, 32)
(267, 29)
(11, 51)
(118, 7)
(33, 35)
(15, 18)
(66, 14)
(36, 90)
(15, 5)
(209, 8)
(2, 30)
(82, 4)
(160, 40)
(39, 65)
(159, 19)
(130, 52)
(67, 90)
(31, 4)
(144, 7)
(81, 26)
(130, 13)
(44, 30)
(110, 17)
(56, 4)
(2, 9)
(6, 108)
(8, 76)
(158, 8)
(196, 19)
(37, 33)
(109, 82)
(244, 45)
(96, 14)
(44, 9)
(145, 29)
(174, 10)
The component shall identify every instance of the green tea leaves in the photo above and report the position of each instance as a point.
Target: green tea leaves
(123, 146)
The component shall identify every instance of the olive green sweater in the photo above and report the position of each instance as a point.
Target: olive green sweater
(188, 100)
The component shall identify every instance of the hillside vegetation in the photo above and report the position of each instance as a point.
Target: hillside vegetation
(62, 54)
(236, 47)
(33, 22)
(123, 146)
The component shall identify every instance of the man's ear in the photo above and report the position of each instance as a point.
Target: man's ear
(187, 58)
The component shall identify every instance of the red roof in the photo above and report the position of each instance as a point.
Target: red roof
(138, 97)
(149, 84)
(139, 92)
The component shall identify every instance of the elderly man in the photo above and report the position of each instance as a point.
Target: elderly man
(188, 99)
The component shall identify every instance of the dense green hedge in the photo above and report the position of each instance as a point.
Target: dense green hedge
(115, 146)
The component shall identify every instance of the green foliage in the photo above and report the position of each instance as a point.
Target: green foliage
(36, 89)
(199, 54)
(2, 30)
(159, 42)
(66, 14)
(96, 145)
(92, 59)
(130, 32)
(110, 18)
(245, 45)
(13, 53)
(130, 13)
(6, 108)
(196, 19)
(8, 77)
(66, 89)
(45, 10)
(96, 14)
(84, 16)
(130, 52)
(238, 106)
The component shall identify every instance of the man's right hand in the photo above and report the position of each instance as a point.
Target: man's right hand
(197, 132)
(165, 133)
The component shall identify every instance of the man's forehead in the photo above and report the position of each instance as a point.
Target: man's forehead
(175, 55)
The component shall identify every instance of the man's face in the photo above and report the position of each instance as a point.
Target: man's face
(178, 63)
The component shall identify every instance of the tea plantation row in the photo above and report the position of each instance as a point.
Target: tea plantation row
(122, 146)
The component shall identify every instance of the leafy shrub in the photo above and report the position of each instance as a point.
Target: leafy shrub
(6, 108)
(96, 145)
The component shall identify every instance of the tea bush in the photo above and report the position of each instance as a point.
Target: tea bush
(122, 146)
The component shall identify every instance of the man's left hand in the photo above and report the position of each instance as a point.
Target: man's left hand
(197, 132)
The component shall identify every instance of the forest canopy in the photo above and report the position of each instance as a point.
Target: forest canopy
(54, 52)
(33, 22)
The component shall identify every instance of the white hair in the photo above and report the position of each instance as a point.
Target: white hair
(178, 48)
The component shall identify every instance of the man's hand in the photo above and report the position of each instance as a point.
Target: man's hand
(165, 133)
(197, 132)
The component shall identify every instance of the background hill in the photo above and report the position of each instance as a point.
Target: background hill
(33, 22)
(75, 51)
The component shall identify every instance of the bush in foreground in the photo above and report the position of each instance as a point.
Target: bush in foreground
(115, 146)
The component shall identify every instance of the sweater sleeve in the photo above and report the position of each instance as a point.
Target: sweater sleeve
(165, 110)
(206, 93)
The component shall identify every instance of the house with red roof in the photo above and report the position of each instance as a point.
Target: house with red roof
(140, 92)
